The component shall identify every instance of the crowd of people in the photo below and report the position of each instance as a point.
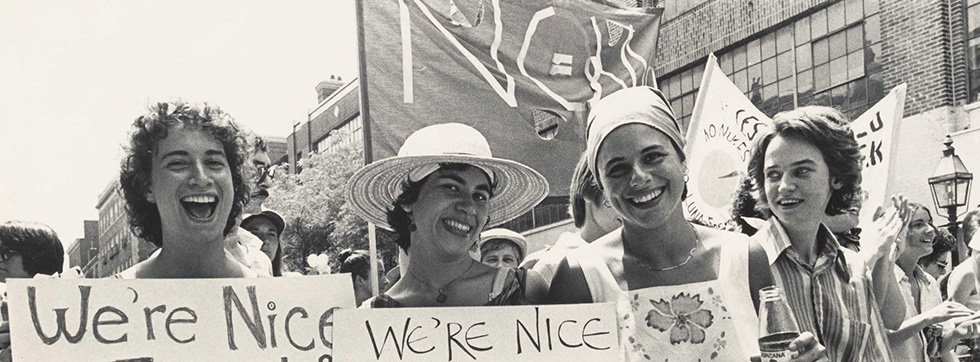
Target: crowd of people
(682, 291)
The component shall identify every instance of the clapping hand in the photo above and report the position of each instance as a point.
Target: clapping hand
(887, 233)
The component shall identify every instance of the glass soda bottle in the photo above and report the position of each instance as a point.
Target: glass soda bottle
(777, 326)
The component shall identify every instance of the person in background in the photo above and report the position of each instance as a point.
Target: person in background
(679, 288)
(241, 244)
(593, 218)
(745, 216)
(438, 194)
(963, 283)
(845, 225)
(502, 248)
(936, 264)
(29, 248)
(924, 305)
(807, 168)
(358, 264)
(267, 226)
(184, 186)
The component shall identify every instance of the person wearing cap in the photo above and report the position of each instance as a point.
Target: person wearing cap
(438, 194)
(267, 226)
(502, 248)
(184, 186)
(680, 289)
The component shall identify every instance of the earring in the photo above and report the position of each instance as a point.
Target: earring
(412, 227)
(607, 203)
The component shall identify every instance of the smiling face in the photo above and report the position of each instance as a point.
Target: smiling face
(921, 234)
(264, 229)
(451, 211)
(503, 256)
(798, 185)
(191, 184)
(642, 174)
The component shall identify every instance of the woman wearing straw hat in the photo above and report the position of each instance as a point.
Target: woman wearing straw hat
(682, 291)
(438, 194)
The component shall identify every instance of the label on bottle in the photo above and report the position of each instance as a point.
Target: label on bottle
(775, 347)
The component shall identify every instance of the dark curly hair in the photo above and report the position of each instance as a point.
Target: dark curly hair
(148, 131)
(355, 262)
(823, 127)
(400, 220)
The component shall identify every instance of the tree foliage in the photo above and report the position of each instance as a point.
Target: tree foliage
(314, 205)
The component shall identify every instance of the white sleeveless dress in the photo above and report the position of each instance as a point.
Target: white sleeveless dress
(713, 320)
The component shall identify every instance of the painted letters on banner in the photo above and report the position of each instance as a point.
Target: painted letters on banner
(517, 71)
(265, 319)
(585, 332)
(723, 130)
(877, 131)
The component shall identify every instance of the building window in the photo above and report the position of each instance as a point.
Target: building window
(973, 47)
(829, 57)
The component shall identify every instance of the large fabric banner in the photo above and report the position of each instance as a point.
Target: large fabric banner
(877, 131)
(723, 130)
(521, 72)
(584, 332)
(265, 319)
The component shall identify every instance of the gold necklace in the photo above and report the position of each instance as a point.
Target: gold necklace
(697, 240)
(442, 297)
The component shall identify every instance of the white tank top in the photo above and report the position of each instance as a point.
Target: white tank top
(713, 320)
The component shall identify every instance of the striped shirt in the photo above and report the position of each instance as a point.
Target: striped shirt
(833, 299)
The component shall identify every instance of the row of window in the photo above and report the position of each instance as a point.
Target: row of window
(827, 58)
(110, 213)
(347, 133)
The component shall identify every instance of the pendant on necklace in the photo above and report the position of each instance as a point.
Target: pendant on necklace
(442, 297)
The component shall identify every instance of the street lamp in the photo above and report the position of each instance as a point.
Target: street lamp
(950, 186)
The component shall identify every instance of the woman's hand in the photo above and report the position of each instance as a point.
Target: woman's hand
(887, 231)
(809, 348)
(946, 311)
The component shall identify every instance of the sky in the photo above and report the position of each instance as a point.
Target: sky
(75, 74)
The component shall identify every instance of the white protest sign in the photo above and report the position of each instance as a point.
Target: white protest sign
(876, 131)
(723, 129)
(584, 332)
(264, 319)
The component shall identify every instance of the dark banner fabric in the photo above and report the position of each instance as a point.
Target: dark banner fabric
(521, 72)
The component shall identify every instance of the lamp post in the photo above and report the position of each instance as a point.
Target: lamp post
(950, 185)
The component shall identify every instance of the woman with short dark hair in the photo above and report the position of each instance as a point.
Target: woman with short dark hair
(183, 183)
(29, 248)
(438, 195)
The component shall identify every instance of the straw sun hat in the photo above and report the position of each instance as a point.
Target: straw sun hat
(373, 188)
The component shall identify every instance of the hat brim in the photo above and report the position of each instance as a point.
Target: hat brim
(277, 220)
(372, 190)
(521, 243)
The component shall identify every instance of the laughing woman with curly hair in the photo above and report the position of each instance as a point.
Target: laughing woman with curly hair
(183, 185)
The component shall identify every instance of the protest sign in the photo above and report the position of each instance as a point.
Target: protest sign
(723, 129)
(520, 72)
(877, 131)
(585, 332)
(264, 319)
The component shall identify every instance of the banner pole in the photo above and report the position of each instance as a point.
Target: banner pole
(366, 129)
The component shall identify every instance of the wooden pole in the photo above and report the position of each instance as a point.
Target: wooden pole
(366, 129)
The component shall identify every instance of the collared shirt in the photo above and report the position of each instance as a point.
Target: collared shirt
(833, 299)
(913, 349)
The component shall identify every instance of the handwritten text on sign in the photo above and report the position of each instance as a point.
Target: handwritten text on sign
(518, 333)
(281, 319)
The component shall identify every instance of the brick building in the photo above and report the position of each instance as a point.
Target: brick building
(119, 249)
(847, 54)
(82, 250)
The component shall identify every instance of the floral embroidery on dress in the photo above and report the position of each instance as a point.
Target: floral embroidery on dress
(683, 316)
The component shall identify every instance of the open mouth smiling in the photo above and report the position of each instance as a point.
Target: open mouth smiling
(200, 207)
(788, 203)
(646, 199)
(457, 227)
